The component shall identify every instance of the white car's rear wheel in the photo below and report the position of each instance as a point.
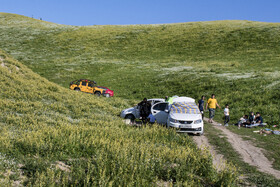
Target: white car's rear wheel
(130, 117)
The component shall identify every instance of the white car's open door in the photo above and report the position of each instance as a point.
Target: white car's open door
(160, 111)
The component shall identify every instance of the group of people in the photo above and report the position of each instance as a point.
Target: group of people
(212, 104)
(250, 121)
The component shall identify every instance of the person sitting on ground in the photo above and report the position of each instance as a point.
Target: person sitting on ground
(252, 118)
(243, 121)
(226, 113)
(151, 118)
(258, 120)
(145, 109)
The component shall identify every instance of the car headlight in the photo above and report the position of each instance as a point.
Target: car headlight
(198, 121)
(173, 120)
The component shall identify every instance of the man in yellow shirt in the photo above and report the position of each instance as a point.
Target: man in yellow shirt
(212, 103)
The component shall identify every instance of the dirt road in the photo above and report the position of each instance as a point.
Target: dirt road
(218, 160)
(249, 153)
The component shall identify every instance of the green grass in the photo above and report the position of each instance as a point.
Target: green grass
(42, 124)
(250, 174)
(236, 60)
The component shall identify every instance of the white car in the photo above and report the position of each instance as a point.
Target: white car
(134, 113)
(183, 114)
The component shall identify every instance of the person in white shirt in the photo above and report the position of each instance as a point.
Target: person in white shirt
(226, 113)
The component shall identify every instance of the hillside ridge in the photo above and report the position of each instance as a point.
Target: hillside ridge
(225, 22)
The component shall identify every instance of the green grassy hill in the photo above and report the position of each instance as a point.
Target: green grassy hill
(237, 60)
(50, 135)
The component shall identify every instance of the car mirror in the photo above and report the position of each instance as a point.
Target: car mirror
(166, 110)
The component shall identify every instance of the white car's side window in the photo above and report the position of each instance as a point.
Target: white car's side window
(160, 106)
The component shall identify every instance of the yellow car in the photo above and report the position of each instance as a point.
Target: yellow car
(87, 86)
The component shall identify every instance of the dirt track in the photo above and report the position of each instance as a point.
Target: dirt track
(249, 153)
(202, 143)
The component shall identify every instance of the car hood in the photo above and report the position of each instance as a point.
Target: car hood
(184, 117)
(129, 110)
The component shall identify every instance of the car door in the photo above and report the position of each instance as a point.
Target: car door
(137, 112)
(83, 86)
(90, 87)
(160, 111)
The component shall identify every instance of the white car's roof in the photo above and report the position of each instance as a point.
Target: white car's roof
(159, 99)
(184, 108)
(184, 99)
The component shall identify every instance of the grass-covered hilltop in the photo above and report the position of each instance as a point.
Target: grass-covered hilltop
(51, 135)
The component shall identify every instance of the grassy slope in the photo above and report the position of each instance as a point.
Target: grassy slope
(237, 60)
(42, 123)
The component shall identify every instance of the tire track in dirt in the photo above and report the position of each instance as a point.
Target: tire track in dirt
(218, 159)
(249, 153)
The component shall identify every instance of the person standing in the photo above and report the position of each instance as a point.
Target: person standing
(212, 103)
(226, 113)
(201, 106)
(145, 110)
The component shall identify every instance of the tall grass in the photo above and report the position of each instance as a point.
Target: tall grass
(44, 126)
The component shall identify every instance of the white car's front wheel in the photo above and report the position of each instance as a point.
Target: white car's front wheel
(200, 134)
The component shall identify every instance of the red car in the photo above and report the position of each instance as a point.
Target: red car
(107, 92)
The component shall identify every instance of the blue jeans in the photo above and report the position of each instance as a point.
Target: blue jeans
(211, 113)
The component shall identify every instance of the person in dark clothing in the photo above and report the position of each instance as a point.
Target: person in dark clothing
(251, 118)
(145, 109)
(259, 119)
(201, 105)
